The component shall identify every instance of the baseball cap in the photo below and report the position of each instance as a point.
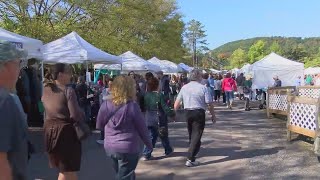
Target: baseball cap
(9, 52)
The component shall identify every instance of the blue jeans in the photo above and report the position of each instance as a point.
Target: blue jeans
(124, 164)
(212, 92)
(229, 96)
(165, 141)
(153, 131)
(87, 110)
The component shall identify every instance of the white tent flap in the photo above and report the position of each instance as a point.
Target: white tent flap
(275, 65)
(165, 65)
(312, 71)
(74, 49)
(185, 67)
(33, 46)
(131, 62)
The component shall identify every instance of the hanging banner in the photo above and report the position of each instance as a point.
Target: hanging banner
(19, 45)
(88, 77)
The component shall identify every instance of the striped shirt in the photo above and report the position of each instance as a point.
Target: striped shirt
(194, 95)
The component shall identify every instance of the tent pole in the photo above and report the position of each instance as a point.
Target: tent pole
(87, 68)
(42, 77)
(42, 72)
(121, 64)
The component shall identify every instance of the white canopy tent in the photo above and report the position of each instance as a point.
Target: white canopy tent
(214, 70)
(33, 46)
(312, 71)
(173, 66)
(72, 49)
(275, 65)
(131, 62)
(166, 66)
(185, 67)
(245, 69)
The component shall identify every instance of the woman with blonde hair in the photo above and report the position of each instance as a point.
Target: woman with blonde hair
(62, 111)
(124, 126)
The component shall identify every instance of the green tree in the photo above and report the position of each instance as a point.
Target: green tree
(275, 47)
(312, 61)
(195, 36)
(256, 51)
(238, 58)
(148, 28)
(297, 53)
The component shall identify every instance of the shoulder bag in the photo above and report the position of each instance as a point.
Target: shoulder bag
(82, 129)
(114, 112)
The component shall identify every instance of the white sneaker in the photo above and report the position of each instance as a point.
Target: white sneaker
(145, 158)
(192, 164)
(100, 142)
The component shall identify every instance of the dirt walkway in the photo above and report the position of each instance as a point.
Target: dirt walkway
(242, 145)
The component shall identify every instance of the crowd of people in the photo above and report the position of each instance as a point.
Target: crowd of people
(131, 109)
(127, 109)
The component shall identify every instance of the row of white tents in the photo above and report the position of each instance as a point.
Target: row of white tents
(272, 65)
(73, 49)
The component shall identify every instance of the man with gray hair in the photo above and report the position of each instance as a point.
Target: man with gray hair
(196, 98)
(13, 122)
(277, 82)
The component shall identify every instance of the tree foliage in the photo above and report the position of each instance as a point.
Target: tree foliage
(294, 48)
(238, 58)
(256, 51)
(275, 47)
(148, 28)
(297, 53)
(196, 39)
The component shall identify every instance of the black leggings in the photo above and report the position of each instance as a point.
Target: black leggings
(217, 94)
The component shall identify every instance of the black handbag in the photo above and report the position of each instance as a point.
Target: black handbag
(82, 129)
(163, 131)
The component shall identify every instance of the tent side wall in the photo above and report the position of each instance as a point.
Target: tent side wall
(264, 78)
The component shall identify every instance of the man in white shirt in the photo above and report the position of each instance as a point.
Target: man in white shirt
(196, 98)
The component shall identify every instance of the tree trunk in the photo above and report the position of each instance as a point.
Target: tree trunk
(195, 60)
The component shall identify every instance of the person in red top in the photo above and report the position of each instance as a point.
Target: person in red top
(229, 85)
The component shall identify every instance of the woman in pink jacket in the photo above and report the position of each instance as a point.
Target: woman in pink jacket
(229, 85)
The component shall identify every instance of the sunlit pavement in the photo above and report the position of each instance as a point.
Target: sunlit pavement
(241, 145)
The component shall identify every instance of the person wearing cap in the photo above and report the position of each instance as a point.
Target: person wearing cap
(277, 82)
(13, 122)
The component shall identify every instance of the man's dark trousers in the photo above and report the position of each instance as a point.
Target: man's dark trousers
(196, 123)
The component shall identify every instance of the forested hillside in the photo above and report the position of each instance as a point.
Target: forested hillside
(237, 53)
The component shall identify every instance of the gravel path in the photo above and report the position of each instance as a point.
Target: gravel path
(241, 145)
